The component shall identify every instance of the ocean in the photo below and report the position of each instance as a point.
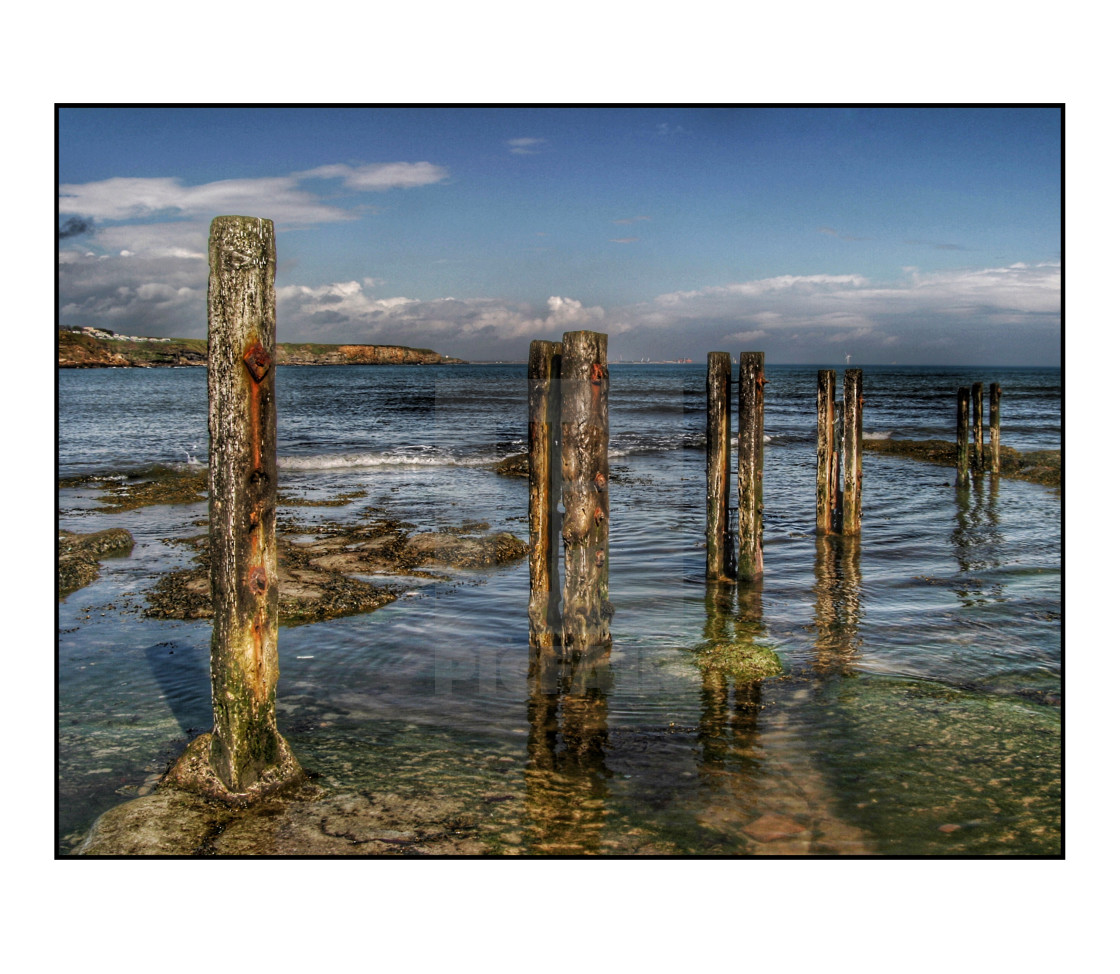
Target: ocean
(919, 708)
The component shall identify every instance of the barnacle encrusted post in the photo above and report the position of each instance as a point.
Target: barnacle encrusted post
(826, 451)
(584, 434)
(246, 751)
(720, 544)
(962, 436)
(752, 382)
(853, 451)
(544, 493)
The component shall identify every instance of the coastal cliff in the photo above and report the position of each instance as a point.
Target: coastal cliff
(92, 348)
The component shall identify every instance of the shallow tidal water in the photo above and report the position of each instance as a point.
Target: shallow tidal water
(918, 712)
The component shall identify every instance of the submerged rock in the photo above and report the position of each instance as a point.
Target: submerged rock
(740, 660)
(308, 822)
(442, 548)
(160, 485)
(320, 578)
(79, 556)
(317, 577)
(515, 466)
(1039, 467)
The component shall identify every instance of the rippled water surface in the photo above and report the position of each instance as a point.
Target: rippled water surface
(919, 707)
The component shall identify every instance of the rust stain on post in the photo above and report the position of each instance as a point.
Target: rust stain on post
(752, 380)
(544, 493)
(584, 434)
(720, 545)
(247, 752)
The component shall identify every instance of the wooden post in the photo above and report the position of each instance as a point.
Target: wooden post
(853, 451)
(584, 434)
(544, 493)
(247, 752)
(826, 448)
(837, 470)
(978, 425)
(721, 549)
(752, 380)
(994, 393)
(962, 435)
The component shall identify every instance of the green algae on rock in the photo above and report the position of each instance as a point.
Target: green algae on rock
(79, 556)
(317, 576)
(739, 660)
(160, 485)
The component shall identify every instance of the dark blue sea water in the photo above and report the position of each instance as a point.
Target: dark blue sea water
(919, 711)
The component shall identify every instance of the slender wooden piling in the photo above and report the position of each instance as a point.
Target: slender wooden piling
(720, 545)
(978, 425)
(994, 393)
(853, 451)
(962, 435)
(837, 471)
(584, 433)
(752, 380)
(544, 493)
(826, 449)
(247, 752)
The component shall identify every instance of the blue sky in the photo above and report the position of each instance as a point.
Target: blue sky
(912, 235)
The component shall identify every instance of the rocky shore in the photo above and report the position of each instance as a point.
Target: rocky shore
(94, 349)
(323, 566)
(318, 572)
(1038, 466)
(79, 556)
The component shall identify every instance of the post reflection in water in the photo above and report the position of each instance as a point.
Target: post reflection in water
(838, 610)
(977, 541)
(566, 772)
(729, 699)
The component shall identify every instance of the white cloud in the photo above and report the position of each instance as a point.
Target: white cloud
(381, 176)
(161, 290)
(185, 239)
(845, 299)
(525, 147)
(747, 336)
(570, 313)
(130, 198)
(281, 197)
(347, 311)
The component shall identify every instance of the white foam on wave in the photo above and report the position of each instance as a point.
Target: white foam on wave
(340, 461)
(878, 436)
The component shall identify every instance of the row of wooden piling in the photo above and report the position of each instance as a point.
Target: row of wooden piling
(568, 436)
(721, 558)
(568, 465)
(840, 454)
(839, 468)
(971, 456)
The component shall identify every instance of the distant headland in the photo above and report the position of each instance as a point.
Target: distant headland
(92, 348)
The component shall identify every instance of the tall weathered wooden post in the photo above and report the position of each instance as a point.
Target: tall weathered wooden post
(853, 451)
(962, 435)
(720, 545)
(826, 451)
(752, 380)
(994, 393)
(247, 753)
(584, 434)
(544, 493)
(978, 425)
